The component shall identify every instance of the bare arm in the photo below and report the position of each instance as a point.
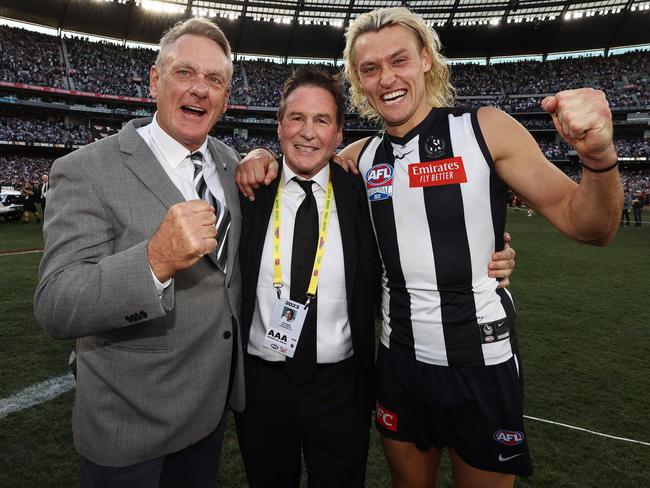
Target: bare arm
(350, 155)
(588, 212)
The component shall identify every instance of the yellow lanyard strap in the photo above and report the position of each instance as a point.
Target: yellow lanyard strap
(322, 237)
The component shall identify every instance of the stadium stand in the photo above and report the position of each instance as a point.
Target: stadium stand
(79, 90)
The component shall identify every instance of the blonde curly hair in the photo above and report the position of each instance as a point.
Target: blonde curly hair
(438, 88)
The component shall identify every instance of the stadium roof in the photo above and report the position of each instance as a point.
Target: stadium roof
(314, 28)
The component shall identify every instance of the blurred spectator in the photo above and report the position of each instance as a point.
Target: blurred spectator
(30, 193)
(45, 187)
(627, 205)
(637, 208)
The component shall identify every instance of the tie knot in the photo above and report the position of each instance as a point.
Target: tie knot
(305, 185)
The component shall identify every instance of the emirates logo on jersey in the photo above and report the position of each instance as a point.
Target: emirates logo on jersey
(435, 173)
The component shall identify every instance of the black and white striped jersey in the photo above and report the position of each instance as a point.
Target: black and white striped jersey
(438, 211)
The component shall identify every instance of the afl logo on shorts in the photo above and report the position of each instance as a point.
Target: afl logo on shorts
(508, 437)
(379, 182)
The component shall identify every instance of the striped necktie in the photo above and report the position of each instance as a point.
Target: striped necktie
(220, 210)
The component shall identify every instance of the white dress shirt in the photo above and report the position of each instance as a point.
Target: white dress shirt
(174, 158)
(333, 337)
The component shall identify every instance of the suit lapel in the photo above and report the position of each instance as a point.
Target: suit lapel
(142, 162)
(344, 195)
(262, 210)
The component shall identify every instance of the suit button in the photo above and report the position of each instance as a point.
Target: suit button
(143, 314)
(227, 334)
(128, 318)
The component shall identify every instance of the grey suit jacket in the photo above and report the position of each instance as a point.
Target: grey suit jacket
(152, 374)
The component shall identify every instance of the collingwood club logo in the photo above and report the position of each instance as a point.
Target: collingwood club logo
(434, 147)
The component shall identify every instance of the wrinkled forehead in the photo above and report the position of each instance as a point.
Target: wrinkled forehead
(197, 52)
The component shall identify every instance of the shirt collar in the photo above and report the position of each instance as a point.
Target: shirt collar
(173, 151)
(321, 178)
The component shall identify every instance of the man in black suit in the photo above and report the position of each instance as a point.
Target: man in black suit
(316, 400)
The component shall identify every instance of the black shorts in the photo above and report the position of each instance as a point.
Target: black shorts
(478, 411)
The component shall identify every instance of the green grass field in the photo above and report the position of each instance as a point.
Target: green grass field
(584, 329)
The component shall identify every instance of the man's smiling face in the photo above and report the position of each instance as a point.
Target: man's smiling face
(308, 131)
(191, 89)
(391, 68)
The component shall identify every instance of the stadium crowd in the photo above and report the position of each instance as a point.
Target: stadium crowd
(105, 67)
(108, 68)
(31, 131)
(243, 145)
(16, 170)
(91, 61)
(30, 57)
(632, 148)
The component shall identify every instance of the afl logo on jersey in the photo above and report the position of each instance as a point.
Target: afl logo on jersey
(379, 182)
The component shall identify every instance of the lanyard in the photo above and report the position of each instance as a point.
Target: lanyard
(322, 237)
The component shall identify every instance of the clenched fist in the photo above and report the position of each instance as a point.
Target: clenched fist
(583, 119)
(186, 234)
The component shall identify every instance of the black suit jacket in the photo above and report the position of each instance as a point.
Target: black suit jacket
(360, 258)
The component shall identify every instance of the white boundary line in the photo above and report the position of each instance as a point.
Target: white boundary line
(34, 251)
(587, 430)
(35, 394)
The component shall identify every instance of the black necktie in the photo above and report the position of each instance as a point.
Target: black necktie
(302, 367)
(220, 210)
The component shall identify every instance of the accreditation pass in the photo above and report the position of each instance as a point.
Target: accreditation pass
(285, 325)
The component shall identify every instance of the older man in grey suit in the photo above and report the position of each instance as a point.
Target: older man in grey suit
(141, 266)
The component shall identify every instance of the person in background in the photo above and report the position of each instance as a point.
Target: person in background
(45, 186)
(637, 208)
(30, 193)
